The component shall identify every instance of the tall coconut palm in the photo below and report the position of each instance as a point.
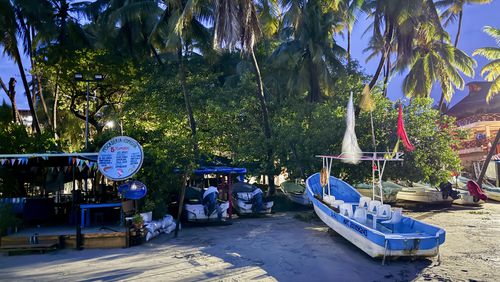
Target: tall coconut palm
(349, 10)
(394, 21)
(178, 30)
(123, 26)
(311, 51)
(454, 9)
(236, 25)
(10, 28)
(434, 60)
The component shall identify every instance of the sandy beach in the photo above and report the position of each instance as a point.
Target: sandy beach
(279, 247)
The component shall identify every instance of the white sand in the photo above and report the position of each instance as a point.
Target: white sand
(274, 248)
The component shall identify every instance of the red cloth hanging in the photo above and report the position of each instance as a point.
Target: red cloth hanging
(402, 132)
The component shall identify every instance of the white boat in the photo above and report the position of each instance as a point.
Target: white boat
(491, 191)
(376, 229)
(196, 211)
(423, 194)
(296, 192)
(248, 199)
(389, 189)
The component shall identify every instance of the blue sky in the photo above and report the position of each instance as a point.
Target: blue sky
(472, 37)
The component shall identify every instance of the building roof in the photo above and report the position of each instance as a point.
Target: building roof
(475, 102)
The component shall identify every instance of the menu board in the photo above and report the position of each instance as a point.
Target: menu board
(120, 158)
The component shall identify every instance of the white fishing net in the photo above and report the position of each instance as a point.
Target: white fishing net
(351, 153)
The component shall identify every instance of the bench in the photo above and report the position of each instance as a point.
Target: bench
(41, 247)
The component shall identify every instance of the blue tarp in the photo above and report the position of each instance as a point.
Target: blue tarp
(217, 170)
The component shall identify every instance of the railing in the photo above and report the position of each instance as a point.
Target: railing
(480, 117)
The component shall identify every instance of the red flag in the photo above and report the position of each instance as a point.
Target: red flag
(402, 132)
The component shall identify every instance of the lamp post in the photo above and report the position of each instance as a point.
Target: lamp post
(96, 78)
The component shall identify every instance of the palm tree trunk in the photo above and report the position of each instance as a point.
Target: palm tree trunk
(348, 45)
(36, 80)
(378, 71)
(488, 159)
(441, 103)
(265, 123)
(54, 107)
(387, 75)
(187, 100)
(460, 16)
(17, 56)
(387, 49)
(315, 91)
(11, 93)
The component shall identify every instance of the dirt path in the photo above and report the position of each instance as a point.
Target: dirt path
(279, 247)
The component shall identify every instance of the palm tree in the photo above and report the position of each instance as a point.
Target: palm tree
(492, 72)
(394, 21)
(236, 25)
(434, 60)
(179, 29)
(349, 8)
(10, 27)
(311, 51)
(454, 8)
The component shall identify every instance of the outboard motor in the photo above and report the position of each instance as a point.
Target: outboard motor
(447, 191)
(257, 200)
(210, 202)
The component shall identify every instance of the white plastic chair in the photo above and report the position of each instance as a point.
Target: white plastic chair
(329, 199)
(364, 202)
(384, 212)
(360, 215)
(373, 206)
(396, 216)
(346, 210)
(337, 203)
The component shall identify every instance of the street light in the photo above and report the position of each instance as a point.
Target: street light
(79, 77)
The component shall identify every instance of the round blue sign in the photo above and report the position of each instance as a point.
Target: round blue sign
(133, 190)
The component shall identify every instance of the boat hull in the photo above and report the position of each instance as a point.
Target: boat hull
(196, 213)
(301, 199)
(243, 207)
(492, 195)
(408, 237)
(425, 197)
(370, 248)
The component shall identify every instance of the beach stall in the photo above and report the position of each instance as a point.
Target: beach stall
(70, 199)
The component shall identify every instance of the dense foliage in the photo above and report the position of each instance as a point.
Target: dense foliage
(275, 103)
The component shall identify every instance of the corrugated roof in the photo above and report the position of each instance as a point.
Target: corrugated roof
(475, 102)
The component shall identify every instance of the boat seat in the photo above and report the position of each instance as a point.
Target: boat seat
(364, 202)
(360, 215)
(337, 203)
(373, 206)
(346, 210)
(329, 199)
(396, 217)
(384, 211)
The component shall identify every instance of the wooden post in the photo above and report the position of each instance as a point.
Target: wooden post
(181, 202)
(488, 159)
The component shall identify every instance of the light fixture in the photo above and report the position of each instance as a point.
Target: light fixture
(110, 124)
(98, 77)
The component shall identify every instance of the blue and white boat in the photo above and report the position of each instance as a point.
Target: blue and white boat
(373, 227)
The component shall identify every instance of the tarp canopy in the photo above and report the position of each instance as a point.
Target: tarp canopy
(224, 170)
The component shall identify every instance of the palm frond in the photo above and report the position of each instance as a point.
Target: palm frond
(490, 53)
(494, 89)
